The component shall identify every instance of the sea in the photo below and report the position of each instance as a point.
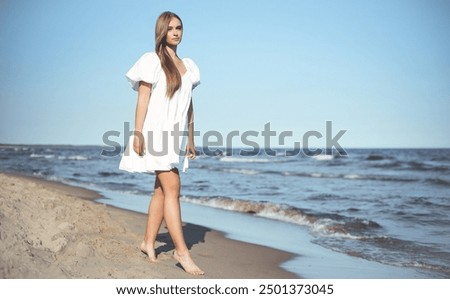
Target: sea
(373, 213)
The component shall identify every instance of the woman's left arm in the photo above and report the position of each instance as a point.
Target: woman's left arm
(190, 147)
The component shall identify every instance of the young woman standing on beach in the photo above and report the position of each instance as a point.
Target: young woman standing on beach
(164, 111)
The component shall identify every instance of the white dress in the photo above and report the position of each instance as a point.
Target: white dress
(166, 123)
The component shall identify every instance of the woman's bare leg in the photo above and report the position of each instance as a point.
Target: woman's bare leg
(170, 182)
(154, 220)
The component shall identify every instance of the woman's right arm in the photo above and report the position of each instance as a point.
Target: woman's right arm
(144, 92)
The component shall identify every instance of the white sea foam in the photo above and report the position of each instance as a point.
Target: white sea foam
(323, 157)
(331, 228)
(352, 176)
(42, 156)
(244, 160)
(75, 157)
(242, 171)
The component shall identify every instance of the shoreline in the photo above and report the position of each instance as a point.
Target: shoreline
(46, 231)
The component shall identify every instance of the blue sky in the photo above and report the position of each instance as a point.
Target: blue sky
(378, 69)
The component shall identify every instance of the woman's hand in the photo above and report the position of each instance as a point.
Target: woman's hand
(138, 143)
(190, 151)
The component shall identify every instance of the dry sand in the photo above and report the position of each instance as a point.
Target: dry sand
(52, 230)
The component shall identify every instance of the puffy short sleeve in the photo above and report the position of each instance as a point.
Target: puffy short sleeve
(194, 72)
(147, 69)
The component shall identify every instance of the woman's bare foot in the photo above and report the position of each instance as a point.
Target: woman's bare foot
(187, 263)
(149, 251)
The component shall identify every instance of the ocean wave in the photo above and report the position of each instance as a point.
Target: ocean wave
(241, 171)
(325, 197)
(51, 156)
(319, 175)
(442, 158)
(42, 172)
(323, 157)
(109, 173)
(350, 176)
(410, 165)
(386, 165)
(353, 177)
(442, 205)
(439, 182)
(263, 209)
(74, 157)
(422, 166)
(374, 158)
(244, 160)
(33, 155)
(307, 174)
(332, 225)
(427, 266)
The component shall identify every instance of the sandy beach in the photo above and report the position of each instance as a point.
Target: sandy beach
(52, 230)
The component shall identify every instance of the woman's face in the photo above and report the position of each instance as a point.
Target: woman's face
(175, 32)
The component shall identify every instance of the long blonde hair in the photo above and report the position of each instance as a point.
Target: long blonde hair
(173, 76)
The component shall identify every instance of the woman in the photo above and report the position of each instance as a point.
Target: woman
(164, 112)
